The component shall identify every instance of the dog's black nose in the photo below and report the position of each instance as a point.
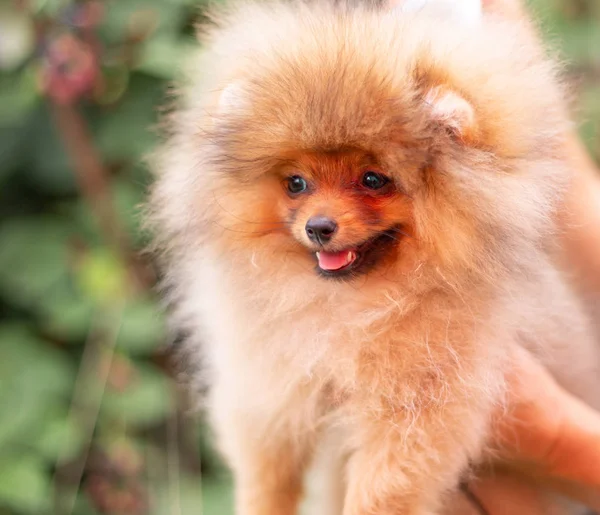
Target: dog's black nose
(320, 229)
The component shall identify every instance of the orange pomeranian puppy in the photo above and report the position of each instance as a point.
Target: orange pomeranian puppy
(354, 210)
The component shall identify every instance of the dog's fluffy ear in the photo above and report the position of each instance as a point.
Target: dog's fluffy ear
(468, 12)
(451, 111)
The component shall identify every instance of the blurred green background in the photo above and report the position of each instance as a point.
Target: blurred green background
(90, 421)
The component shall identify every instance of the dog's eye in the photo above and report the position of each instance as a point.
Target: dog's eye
(374, 180)
(296, 184)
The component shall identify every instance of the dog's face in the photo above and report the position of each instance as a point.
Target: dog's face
(346, 209)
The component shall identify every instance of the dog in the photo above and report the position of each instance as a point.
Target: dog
(354, 211)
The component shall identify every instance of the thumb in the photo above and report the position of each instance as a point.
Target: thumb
(548, 428)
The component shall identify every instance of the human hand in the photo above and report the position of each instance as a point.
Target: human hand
(547, 429)
(551, 436)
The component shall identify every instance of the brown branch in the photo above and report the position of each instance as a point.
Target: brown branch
(93, 182)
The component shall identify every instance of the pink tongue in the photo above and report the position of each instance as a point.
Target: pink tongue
(334, 260)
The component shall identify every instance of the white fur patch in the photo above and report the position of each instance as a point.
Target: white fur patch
(232, 98)
(468, 12)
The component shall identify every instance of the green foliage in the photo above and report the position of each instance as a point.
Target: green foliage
(35, 381)
(83, 374)
(33, 258)
(24, 484)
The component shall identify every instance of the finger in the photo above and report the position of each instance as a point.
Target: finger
(506, 494)
(547, 427)
(459, 503)
(574, 454)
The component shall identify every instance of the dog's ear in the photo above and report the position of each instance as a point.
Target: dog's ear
(452, 112)
(467, 12)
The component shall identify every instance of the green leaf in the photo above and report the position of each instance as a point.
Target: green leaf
(60, 438)
(68, 316)
(85, 222)
(140, 17)
(33, 376)
(21, 412)
(102, 277)
(33, 258)
(51, 8)
(580, 41)
(115, 82)
(163, 56)
(143, 328)
(144, 402)
(126, 132)
(24, 483)
(217, 497)
(83, 505)
(590, 128)
(48, 168)
(214, 495)
(19, 96)
(10, 150)
(36, 384)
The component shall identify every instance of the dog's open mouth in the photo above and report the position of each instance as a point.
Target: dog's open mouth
(334, 261)
(359, 259)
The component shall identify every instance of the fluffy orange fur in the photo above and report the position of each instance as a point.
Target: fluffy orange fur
(406, 360)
